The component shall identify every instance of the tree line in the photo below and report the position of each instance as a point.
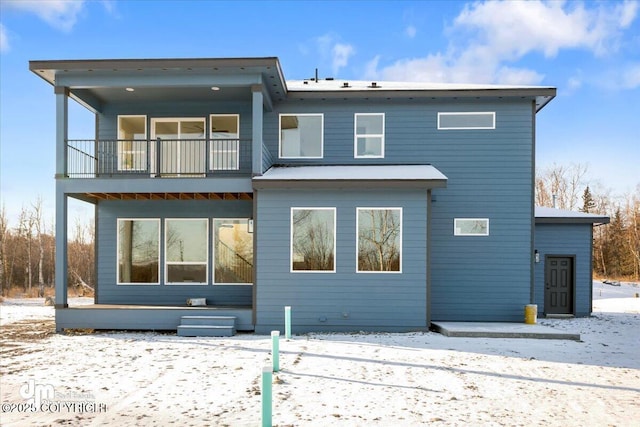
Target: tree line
(27, 248)
(27, 253)
(616, 246)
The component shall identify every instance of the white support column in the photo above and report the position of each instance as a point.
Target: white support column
(62, 120)
(257, 113)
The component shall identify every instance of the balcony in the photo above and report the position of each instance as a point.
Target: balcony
(161, 158)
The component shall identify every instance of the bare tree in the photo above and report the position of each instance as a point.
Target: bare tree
(36, 220)
(560, 184)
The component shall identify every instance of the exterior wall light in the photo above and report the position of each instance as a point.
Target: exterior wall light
(536, 254)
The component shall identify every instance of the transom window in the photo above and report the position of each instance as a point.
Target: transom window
(138, 245)
(132, 143)
(313, 239)
(369, 135)
(186, 250)
(379, 240)
(466, 120)
(301, 136)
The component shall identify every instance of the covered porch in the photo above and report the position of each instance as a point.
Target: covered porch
(144, 317)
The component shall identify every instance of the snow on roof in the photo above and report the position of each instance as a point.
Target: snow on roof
(553, 215)
(355, 173)
(359, 85)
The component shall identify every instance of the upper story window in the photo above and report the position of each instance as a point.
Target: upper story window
(301, 136)
(466, 120)
(471, 226)
(369, 135)
(225, 134)
(132, 143)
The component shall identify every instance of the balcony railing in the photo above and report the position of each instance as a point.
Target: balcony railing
(158, 158)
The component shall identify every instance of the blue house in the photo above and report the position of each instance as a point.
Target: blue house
(362, 205)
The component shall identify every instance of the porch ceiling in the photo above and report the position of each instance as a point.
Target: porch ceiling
(170, 196)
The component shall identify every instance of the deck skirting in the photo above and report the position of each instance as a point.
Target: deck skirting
(143, 317)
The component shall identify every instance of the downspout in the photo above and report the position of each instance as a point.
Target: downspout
(532, 275)
(428, 290)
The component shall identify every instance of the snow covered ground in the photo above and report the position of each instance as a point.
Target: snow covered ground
(325, 379)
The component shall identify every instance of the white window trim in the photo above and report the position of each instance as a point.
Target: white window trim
(335, 246)
(455, 227)
(237, 144)
(121, 151)
(166, 262)
(356, 135)
(358, 237)
(213, 252)
(280, 156)
(467, 113)
(118, 282)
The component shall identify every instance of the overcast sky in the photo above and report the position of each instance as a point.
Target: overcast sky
(590, 51)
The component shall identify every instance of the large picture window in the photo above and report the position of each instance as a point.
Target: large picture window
(186, 250)
(138, 251)
(232, 251)
(301, 136)
(379, 239)
(369, 135)
(313, 239)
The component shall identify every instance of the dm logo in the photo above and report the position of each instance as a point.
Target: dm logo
(35, 394)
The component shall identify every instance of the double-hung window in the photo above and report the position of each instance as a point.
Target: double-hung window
(301, 136)
(379, 240)
(369, 135)
(313, 239)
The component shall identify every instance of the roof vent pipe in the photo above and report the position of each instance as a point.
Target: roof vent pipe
(316, 75)
(554, 197)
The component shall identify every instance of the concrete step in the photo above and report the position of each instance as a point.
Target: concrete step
(206, 331)
(208, 320)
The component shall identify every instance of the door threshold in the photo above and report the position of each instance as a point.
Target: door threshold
(559, 316)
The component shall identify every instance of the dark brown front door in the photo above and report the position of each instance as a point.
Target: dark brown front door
(558, 293)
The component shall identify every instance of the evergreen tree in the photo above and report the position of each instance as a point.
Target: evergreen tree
(588, 203)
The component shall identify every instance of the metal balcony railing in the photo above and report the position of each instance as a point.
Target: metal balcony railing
(158, 158)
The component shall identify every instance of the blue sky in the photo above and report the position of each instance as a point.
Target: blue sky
(589, 50)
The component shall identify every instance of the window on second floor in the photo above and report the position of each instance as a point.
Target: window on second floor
(369, 135)
(132, 143)
(225, 144)
(466, 120)
(301, 136)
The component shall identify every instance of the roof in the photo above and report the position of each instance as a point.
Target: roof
(313, 88)
(352, 176)
(95, 81)
(545, 215)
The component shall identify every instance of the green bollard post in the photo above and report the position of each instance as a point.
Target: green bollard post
(287, 322)
(275, 350)
(266, 396)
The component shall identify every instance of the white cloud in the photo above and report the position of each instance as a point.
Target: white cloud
(60, 14)
(488, 37)
(334, 51)
(410, 31)
(630, 77)
(341, 54)
(4, 39)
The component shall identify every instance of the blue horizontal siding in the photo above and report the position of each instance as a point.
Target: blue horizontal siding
(346, 299)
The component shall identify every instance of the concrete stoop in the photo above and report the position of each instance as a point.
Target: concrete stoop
(207, 326)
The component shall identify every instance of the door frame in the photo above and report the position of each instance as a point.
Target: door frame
(572, 257)
(157, 169)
